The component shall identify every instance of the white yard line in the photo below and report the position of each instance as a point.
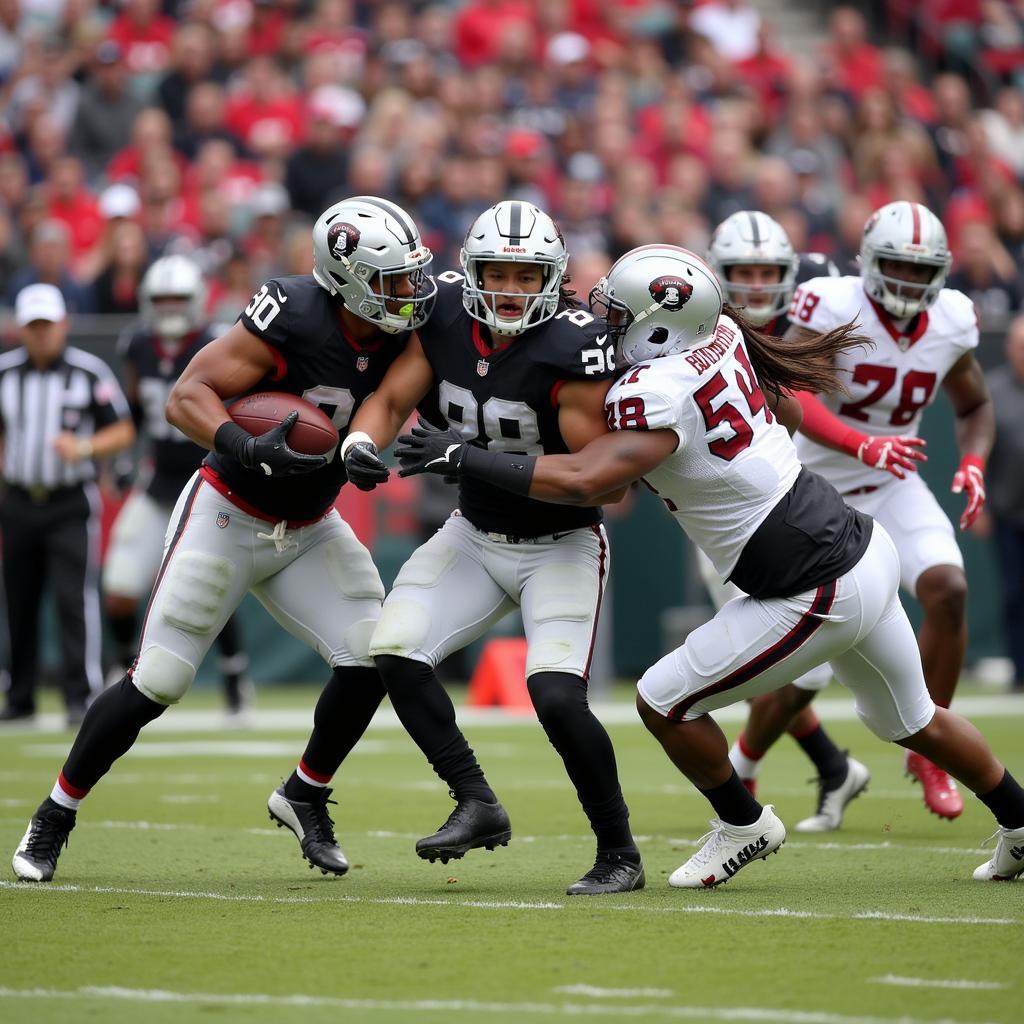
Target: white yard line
(30, 888)
(183, 719)
(959, 983)
(253, 999)
(613, 993)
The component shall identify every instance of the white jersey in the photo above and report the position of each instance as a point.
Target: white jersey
(891, 384)
(735, 461)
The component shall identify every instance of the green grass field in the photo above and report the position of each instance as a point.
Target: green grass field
(177, 899)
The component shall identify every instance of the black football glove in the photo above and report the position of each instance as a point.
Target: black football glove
(364, 467)
(268, 453)
(429, 450)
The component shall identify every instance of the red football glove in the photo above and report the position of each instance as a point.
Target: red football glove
(970, 477)
(895, 455)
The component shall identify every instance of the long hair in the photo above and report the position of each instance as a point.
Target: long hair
(798, 364)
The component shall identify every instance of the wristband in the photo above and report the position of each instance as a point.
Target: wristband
(509, 472)
(85, 449)
(231, 439)
(358, 437)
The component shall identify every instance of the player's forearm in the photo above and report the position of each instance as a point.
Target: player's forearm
(380, 418)
(825, 428)
(197, 411)
(976, 429)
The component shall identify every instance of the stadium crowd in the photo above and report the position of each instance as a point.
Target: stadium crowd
(135, 129)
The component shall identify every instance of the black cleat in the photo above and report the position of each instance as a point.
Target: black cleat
(312, 826)
(471, 825)
(35, 859)
(612, 872)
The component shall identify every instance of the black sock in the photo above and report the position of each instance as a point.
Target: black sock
(345, 707)
(110, 727)
(1006, 802)
(427, 713)
(827, 757)
(733, 803)
(560, 700)
(122, 629)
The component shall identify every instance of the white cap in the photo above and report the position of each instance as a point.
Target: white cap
(39, 302)
(567, 48)
(269, 199)
(342, 107)
(119, 201)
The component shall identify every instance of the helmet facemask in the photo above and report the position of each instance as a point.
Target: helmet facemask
(904, 299)
(483, 304)
(779, 295)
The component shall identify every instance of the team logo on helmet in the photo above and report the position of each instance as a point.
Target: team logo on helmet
(342, 240)
(671, 293)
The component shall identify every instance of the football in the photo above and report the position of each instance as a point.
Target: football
(312, 434)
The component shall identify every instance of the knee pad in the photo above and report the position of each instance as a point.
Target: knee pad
(564, 593)
(352, 570)
(357, 641)
(426, 565)
(402, 628)
(162, 676)
(194, 593)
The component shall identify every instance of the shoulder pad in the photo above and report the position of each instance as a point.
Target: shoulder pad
(575, 344)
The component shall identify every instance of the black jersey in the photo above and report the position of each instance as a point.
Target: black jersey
(316, 360)
(812, 264)
(505, 399)
(157, 366)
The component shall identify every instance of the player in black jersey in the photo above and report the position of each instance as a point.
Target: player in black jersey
(514, 366)
(697, 412)
(259, 516)
(756, 263)
(172, 300)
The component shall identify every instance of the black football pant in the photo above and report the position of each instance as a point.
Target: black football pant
(52, 539)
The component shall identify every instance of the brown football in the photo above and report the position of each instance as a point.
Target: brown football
(312, 434)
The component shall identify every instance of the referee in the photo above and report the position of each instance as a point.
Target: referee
(59, 408)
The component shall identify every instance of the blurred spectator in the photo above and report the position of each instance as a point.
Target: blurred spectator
(729, 189)
(879, 130)
(10, 37)
(116, 288)
(1005, 485)
(481, 25)
(731, 26)
(911, 98)
(264, 111)
(151, 132)
(853, 215)
(849, 62)
(268, 208)
(767, 71)
(106, 112)
(205, 110)
(117, 204)
(193, 57)
(1010, 224)
(43, 85)
(10, 255)
(1005, 129)
(984, 271)
(317, 169)
(48, 263)
(231, 291)
(952, 113)
(71, 202)
(144, 35)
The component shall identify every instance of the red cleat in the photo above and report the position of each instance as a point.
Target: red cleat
(940, 792)
(750, 785)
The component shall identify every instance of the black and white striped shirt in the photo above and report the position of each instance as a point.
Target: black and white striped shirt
(78, 393)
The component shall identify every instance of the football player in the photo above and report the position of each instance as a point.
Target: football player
(866, 444)
(172, 301)
(700, 415)
(260, 517)
(759, 270)
(513, 365)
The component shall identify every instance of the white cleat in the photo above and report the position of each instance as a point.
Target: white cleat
(729, 848)
(832, 802)
(1008, 859)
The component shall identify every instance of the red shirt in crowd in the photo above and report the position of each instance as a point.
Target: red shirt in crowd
(260, 124)
(479, 27)
(82, 215)
(146, 48)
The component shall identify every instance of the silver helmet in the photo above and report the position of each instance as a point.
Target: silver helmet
(658, 300)
(361, 248)
(751, 237)
(907, 233)
(512, 232)
(172, 297)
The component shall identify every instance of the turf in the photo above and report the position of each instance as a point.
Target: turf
(177, 899)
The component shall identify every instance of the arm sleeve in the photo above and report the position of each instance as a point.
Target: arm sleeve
(821, 425)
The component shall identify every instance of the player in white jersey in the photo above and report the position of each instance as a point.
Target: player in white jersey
(691, 418)
(924, 336)
(754, 259)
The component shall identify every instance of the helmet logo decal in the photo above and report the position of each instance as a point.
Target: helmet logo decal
(671, 293)
(342, 240)
(872, 221)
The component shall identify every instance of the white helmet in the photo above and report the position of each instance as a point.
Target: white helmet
(750, 236)
(360, 246)
(180, 279)
(908, 233)
(512, 232)
(658, 300)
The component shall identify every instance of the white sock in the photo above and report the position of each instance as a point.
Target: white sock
(58, 796)
(746, 766)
